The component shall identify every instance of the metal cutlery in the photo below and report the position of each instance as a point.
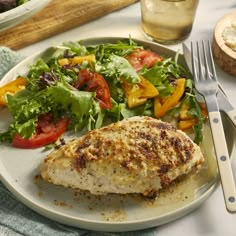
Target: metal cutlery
(223, 102)
(206, 84)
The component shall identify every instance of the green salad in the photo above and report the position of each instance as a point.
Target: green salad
(87, 85)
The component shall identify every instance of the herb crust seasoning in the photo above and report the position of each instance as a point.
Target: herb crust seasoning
(136, 155)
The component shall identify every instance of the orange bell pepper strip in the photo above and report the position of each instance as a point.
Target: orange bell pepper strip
(11, 88)
(80, 59)
(184, 115)
(204, 109)
(77, 60)
(186, 121)
(186, 124)
(137, 94)
(161, 109)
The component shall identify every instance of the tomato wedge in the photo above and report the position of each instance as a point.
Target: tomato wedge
(94, 82)
(47, 132)
(143, 57)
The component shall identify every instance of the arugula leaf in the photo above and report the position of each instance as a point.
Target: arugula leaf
(75, 48)
(121, 48)
(115, 112)
(195, 111)
(96, 117)
(117, 67)
(116, 91)
(142, 110)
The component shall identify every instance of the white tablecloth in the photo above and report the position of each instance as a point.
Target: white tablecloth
(211, 218)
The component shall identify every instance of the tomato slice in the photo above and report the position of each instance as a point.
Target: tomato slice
(47, 132)
(94, 82)
(140, 58)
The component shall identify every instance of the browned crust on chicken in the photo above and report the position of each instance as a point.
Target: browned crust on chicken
(136, 148)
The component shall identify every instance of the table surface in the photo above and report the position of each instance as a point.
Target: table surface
(211, 218)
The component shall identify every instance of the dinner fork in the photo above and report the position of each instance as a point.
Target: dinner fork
(205, 82)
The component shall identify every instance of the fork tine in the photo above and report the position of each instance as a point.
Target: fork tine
(201, 68)
(212, 61)
(206, 61)
(199, 63)
(202, 61)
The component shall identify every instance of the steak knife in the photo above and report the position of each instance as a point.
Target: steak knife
(223, 101)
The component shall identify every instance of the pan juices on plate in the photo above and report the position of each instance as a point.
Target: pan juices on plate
(136, 155)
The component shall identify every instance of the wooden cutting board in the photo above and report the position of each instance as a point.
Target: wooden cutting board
(59, 16)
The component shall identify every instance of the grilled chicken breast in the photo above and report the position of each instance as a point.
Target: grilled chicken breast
(135, 155)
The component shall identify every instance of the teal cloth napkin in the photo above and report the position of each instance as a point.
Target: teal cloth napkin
(16, 219)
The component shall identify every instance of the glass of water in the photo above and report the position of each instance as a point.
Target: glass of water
(168, 21)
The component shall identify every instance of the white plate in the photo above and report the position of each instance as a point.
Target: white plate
(19, 14)
(19, 169)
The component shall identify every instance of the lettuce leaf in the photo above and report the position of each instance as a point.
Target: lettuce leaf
(59, 99)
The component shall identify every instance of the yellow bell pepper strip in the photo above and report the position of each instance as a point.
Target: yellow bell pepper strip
(147, 88)
(11, 88)
(64, 61)
(138, 94)
(184, 115)
(77, 60)
(161, 109)
(135, 101)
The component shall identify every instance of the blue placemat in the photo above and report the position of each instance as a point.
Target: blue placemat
(16, 218)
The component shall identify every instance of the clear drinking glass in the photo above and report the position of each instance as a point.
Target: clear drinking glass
(168, 21)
